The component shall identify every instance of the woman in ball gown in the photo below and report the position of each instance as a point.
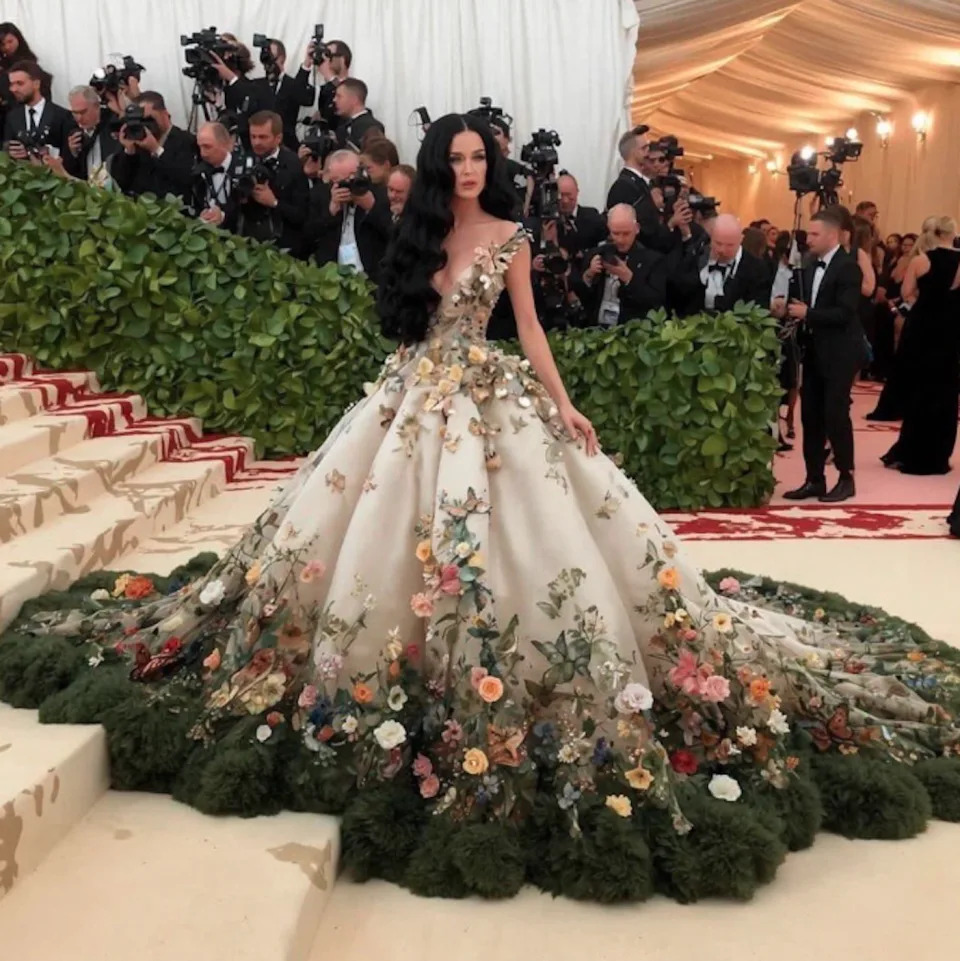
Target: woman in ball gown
(931, 358)
(462, 626)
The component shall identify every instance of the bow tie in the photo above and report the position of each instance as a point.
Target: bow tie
(820, 265)
(721, 268)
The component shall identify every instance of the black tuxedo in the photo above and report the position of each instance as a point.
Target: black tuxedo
(749, 282)
(630, 188)
(646, 291)
(373, 230)
(281, 225)
(249, 96)
(352, 132)
(170, 173)
(292, 94)
(55, 125)
(832, 346)
(210, 192)
(109, 146)
(586, 230)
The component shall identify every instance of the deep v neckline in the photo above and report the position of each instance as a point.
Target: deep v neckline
(491, 248)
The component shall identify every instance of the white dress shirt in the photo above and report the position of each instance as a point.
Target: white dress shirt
(714, 281)
(36, 111)
(348, 254)
(819, 273)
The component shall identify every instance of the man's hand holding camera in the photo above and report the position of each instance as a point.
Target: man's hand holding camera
(226, 74)
(681, 218)
(75, 142)
(341, 196)
(148, 143)
(263, 194)
(619, 269)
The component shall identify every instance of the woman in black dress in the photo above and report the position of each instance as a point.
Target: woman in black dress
(890, 405)
(931, 367)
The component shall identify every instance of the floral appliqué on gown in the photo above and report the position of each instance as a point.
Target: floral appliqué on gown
(452, 599)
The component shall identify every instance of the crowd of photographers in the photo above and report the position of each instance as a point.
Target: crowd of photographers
(298, 160)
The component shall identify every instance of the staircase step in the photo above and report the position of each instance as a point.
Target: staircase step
(145, 877)
(50, 777)
(52, 432)
(13, 366)
(214, 526)
(29, 395)
(54, 556)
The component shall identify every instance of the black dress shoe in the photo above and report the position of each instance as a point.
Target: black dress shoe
(844, 490)
(808, 490)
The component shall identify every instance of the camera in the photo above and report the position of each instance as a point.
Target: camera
(137, 123)
(321, 51)
(705, 206)
(255, 172)
(270, 66)
(110, 78)
(488, 111)
(200, 49)
(842, 149)
(359, 184)
(34, 143)
(540, 153)
(319, 139)
(608, 252)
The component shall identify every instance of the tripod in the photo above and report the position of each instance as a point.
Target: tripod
(202, 103)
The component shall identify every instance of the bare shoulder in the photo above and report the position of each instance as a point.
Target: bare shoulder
(500, 231)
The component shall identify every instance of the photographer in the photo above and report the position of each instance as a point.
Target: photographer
(379, 156)
(33, 126)
(686, 259)
(580, 228)
(350, 221)
(332, 61)
(633, 186)
(269, 200)
(214, 175)
(518, 175)
(355, 121)
(558, 306)
(288, 93)
(399, 185)
(319, 142)
(241, 95)
(92, 145)
(623, 280)
(157, 157)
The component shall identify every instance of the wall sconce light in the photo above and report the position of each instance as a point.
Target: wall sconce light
(921, 123)
(751, 168)
(772, 167)
(884, 129)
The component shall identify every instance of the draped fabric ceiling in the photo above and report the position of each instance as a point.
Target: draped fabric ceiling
(745, 78)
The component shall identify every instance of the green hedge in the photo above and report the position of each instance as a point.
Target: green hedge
(257, 343)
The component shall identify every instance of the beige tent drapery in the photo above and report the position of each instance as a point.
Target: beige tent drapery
(748, 77)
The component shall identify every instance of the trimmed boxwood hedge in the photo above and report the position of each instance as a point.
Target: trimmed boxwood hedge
(257, 343)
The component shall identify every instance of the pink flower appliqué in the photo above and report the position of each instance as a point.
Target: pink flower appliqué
(452, 732)
(729, 585)
(308, 697)
(716, 688)
(422, 605)
(430, 786)
(450, 579)
(685, 669)
(422, 766)
(477, 674)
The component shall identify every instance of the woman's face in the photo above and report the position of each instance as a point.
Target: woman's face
(906, 246)
(893, 243)
(468, 161)
(9, 45)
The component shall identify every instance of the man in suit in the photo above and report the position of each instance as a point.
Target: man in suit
(276, 209)
(93, 143)
(213, 177)
(334, 68)
(162, 162)
(289, 94)
(33, 114)
(347, 227)
(625, 281)
(580, 228)
(355, 120)
(721, 276)
(826, 306)
(633, 187)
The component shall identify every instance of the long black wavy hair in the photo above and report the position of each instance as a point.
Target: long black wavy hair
(406, 297)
